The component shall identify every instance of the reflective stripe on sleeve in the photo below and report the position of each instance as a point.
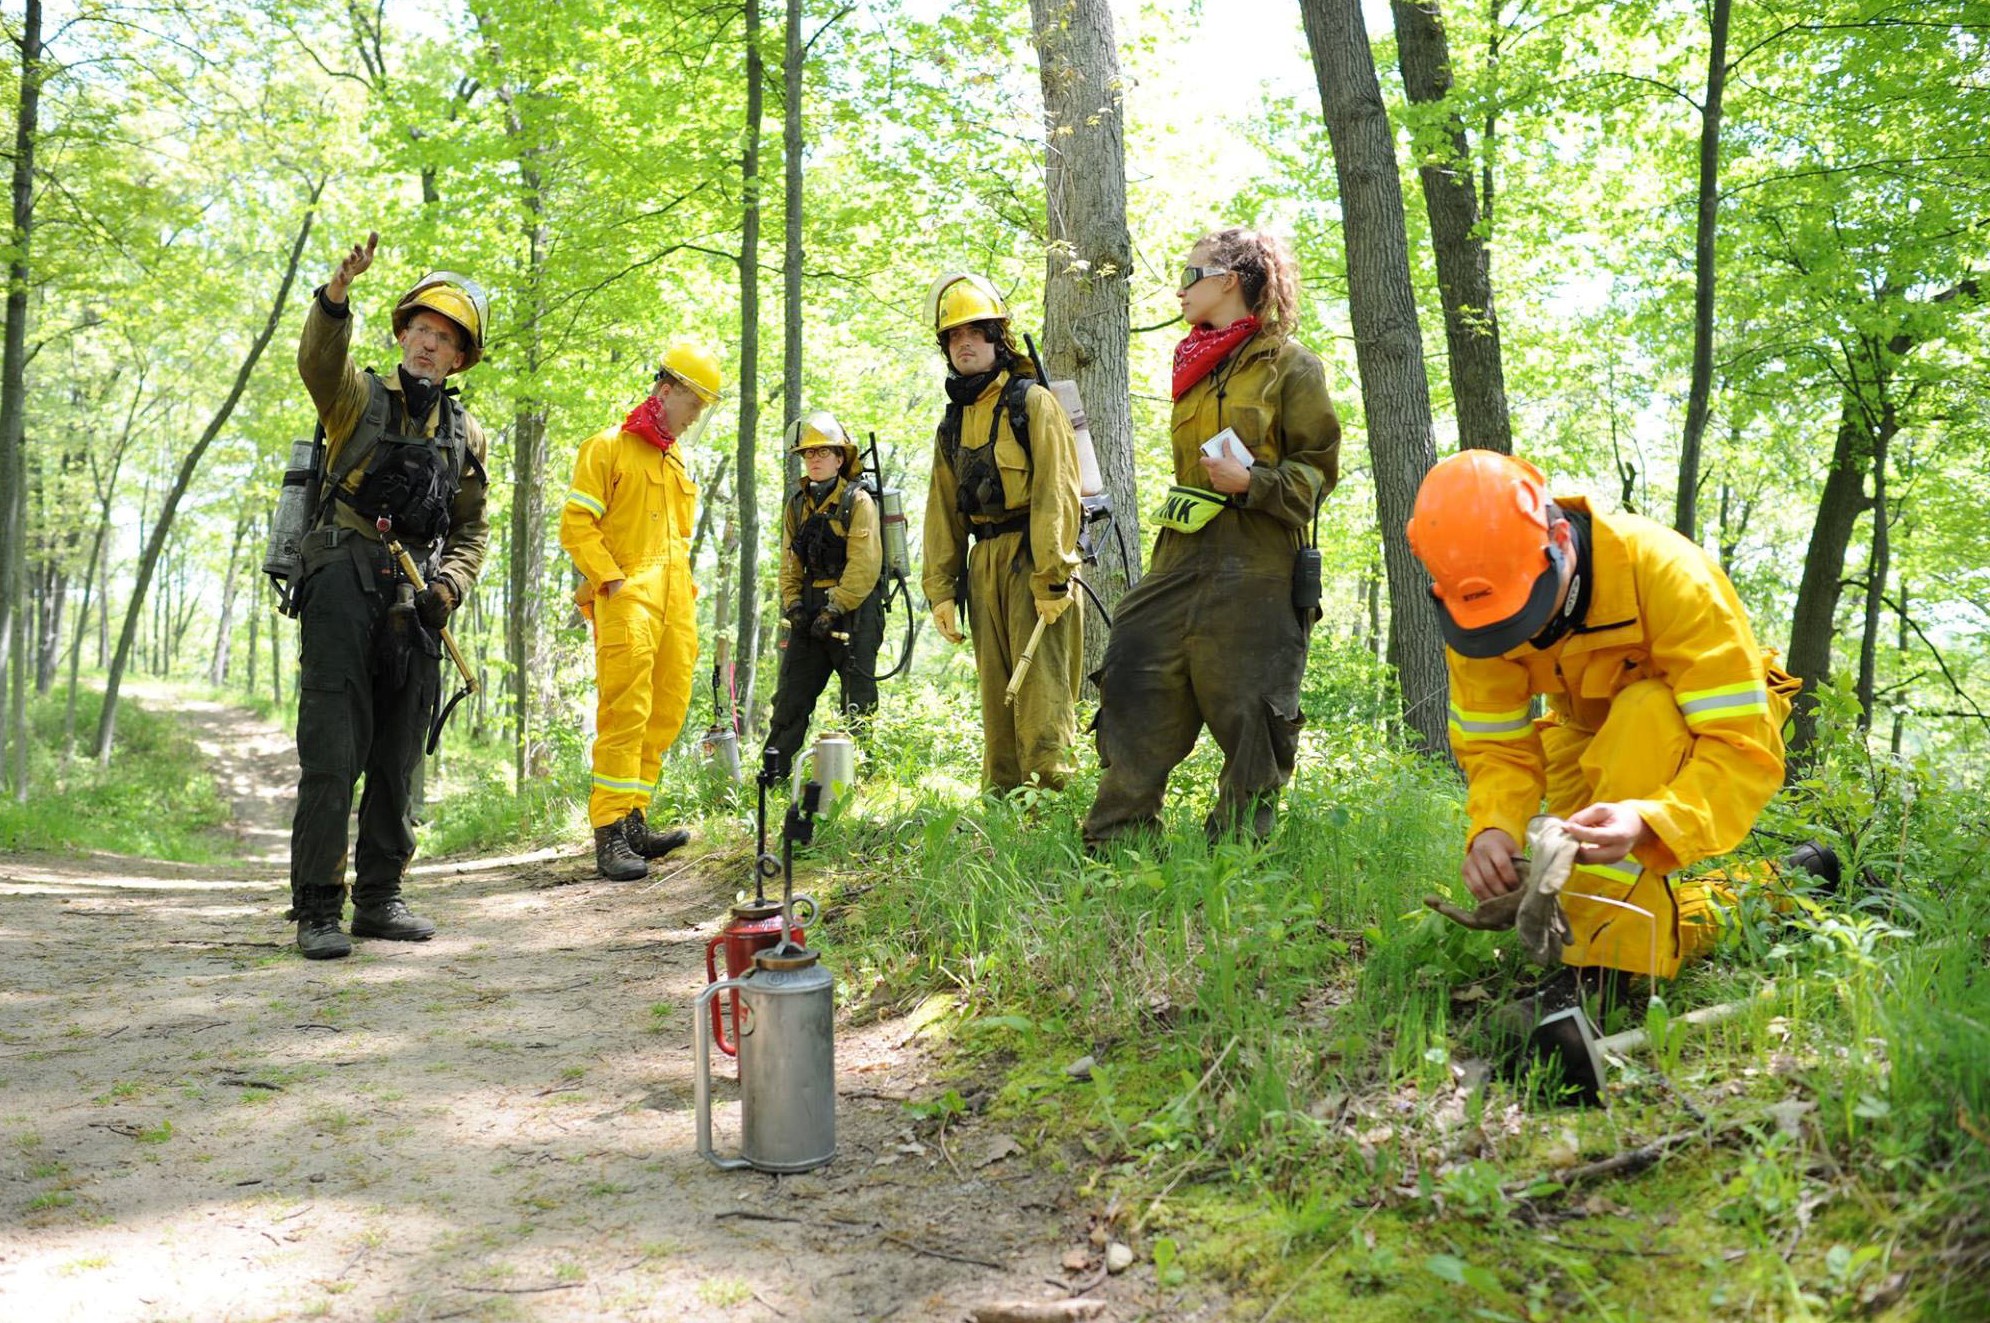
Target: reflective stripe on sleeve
(575, 496)
(1750, 698)
(1623, 873)
(1512, 725)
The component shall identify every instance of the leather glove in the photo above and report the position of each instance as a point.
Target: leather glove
(825, 621)
(797, 618)
(1534, 908)
(433, 604)
(1050, 608)
(946, 619)
(1542, 924)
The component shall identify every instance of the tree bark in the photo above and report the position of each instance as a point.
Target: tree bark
(224, 629)
(524, 638)
(1878, 565)
(1686, 516)
(155, 545)
(791, 217)
(1464, 265)
(13, 409)
(1086, 306)
(746, 640)
(1388, 347)
(1816, 610)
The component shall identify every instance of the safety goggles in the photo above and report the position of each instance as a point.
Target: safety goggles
(1193, 274)
(822, 452)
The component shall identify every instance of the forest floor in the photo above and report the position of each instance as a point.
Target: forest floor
(496, 1124)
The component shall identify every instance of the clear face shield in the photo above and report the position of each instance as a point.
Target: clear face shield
(471, 290)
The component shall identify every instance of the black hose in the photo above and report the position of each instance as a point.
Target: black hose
(900, 589)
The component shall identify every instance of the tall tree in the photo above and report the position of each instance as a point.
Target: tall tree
(1387, 344)
(791, 223)
(13, 407)
(1088, 260)
(746, 637)
(1685, 515)
(155, 544)
(1451, 199)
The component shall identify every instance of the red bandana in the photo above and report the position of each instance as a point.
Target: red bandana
(1206, 346)
(646, 421)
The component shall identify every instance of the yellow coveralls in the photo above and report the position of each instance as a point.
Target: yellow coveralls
(1659, 698)
(1005, 573)
(628, 516)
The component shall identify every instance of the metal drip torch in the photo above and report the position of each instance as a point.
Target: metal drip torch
(784, 1022)
(755, 925)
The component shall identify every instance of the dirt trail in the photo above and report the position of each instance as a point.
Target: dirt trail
(497, 1124)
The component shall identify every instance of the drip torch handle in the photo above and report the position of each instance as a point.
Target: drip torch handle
(703, 1097)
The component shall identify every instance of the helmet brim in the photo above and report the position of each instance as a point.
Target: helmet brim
(1504, 635)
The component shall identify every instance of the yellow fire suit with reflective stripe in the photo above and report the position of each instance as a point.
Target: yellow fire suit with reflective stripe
(1659, 698)
(628, 516)
(1005, 573)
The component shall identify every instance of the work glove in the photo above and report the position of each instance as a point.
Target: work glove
(1050, 608)
(825, 622)
(1542, 924)
(1534, 909)
(946, 619)
(797, 618)
(433, 604)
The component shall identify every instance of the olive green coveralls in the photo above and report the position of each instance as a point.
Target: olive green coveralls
(1210, 636)
(369, 669)
(854, 593)
(1005, 572)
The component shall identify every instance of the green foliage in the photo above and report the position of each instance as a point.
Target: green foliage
(156, 799)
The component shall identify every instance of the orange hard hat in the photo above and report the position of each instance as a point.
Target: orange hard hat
(1483, 527)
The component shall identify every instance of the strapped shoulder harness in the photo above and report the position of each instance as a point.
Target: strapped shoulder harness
(979, 492)
(363, 448)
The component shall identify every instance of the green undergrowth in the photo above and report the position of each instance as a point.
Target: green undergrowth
(155, 799)
(1289, 1098)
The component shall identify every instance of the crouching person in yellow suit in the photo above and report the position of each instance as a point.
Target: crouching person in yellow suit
(627, 524)
(1662, 736)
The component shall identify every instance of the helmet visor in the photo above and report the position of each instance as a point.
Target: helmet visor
(1502, 636)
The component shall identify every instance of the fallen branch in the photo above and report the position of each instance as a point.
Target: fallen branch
(942, 1254)
(521, 1290)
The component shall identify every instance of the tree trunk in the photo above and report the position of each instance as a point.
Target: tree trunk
(524, 634)
(1878, 566)
(1900, 646)
(1388, 347)
(224, 630)
(525, 644)
(1838, 509)
(1686, 516)
(746, 640)
(1464, 265)
(13, 410)
(1086, 311)
(148, 562)
(51, 596)
(791, 273)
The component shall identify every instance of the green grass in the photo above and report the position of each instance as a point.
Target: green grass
(1278, 1033)
(155, 799)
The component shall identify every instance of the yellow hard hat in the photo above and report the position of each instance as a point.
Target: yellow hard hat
(959, 297)
(820, 428)
(695, 366)
(457, 297)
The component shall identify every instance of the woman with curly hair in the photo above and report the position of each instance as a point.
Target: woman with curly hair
(1215, 634)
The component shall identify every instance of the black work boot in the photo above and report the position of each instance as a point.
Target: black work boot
(317, 915)
(651, 844)
(613, 858)
(390, 919)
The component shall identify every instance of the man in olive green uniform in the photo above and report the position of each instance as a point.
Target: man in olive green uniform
(403, 459)
(1002, 522)
(831, 583)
